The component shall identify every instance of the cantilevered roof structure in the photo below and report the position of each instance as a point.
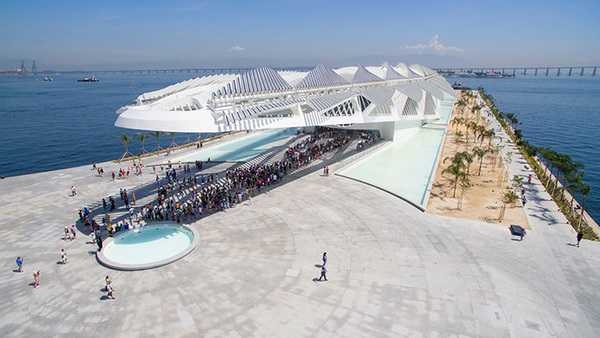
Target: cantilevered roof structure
(359, 97)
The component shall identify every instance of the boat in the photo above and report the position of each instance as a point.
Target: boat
(48, 78)
(86, 79)
(457, 85)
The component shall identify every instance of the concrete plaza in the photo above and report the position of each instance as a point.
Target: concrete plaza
(392, 270)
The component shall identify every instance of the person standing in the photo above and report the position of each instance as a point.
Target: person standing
(523, 233)
(20, 263)
(323, 273)
(99, 241)
(36, 278)
(63, 256)
(579, 238)
(104, 204)
(324, 258)
(73, 231)
(67, 234)
(73, 191)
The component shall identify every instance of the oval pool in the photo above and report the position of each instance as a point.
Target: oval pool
(150, 246)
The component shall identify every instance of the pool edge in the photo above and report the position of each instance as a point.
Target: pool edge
(103, 260)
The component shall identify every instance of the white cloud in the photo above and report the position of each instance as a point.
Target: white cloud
(236, 48)
(434, 45)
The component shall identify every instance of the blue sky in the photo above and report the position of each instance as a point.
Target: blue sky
(150, 34)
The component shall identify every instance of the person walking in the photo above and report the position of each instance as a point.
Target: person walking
(73, 231)
(63, 256)
(523, 233)
(323, 273)
(36, 278)
(20, 264)
(73, 191)
(67, 234)
(109, 290)
(579, 238)
(324, 258)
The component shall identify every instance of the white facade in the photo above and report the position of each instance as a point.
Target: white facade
(385, 98)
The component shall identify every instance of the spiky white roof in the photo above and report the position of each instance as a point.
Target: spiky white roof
(265, 98)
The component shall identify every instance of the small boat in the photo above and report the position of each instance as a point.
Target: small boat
(86, 79)
(48, 78)
(457, 85)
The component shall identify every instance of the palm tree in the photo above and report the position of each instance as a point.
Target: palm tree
(461, 104)
(474, 126)
(456, 168)
(585, 190)
(468, 157)
(142, 138)
(475, 110)
(482, 131)
(173, 144)
(480, 153)
(457, 121)
(157, 135)
(573, 184)
(126, 141)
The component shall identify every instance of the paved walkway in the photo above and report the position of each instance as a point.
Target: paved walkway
(393, 270)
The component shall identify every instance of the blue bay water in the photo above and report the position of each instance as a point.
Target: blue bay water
(65, 123)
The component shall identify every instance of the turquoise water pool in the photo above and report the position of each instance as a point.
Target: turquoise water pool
(150, 244)
(242, 149)
(406, 167)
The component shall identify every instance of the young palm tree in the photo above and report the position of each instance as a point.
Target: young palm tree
(459, 134)
(173, 144)
(142, 138)
(465, 184)
(157, 135)
(126, 141)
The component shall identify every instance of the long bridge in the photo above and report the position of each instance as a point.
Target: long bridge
(535, 71)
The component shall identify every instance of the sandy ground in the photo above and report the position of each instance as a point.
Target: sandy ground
(483, 201)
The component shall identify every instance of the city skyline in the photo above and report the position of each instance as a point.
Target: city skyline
(73, 35)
